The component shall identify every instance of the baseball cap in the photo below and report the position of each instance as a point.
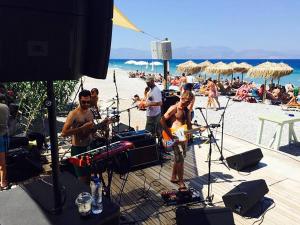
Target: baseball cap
(149, 78)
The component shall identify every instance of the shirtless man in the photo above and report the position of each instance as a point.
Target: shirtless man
(80, 126)
(179, 115)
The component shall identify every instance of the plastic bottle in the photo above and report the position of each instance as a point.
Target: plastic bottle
(96, 192)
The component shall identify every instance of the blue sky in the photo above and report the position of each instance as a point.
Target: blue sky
(237, 24)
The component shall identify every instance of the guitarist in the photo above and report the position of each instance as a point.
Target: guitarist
(178, 115)
(79, 124)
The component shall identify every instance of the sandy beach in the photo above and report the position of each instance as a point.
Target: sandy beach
(241, 118)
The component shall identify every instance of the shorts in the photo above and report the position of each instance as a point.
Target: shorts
(180, 152)
(80, 171)
(153, 125)
(3, 143)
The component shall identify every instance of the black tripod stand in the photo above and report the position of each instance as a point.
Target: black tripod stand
(222, 134)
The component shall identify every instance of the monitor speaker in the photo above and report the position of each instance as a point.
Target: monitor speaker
(204, 216)
(54, 40)
(245, 159)
(244, 196)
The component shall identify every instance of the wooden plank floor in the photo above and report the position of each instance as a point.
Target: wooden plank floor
(141, 203)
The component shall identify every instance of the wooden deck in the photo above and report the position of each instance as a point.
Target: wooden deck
(141, 203)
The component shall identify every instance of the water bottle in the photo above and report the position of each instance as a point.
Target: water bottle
(96, 192)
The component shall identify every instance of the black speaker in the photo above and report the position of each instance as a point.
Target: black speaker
(145, 151)
(169, 98)
(244, 196)
(54, 39)
(245, 159)
(204, 216)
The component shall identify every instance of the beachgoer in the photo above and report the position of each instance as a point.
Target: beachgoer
(79, 124)
(179, 115)
(153, 105)
(4, 117)
(212, 94)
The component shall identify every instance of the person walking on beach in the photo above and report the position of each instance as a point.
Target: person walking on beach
(79, 124)
(179, 115)
(212, 94)
(153, 107)
(4, 117)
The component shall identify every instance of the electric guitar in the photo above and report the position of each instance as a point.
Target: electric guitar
(180, 133)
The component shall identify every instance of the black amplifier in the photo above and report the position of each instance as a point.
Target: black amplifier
(145, 151)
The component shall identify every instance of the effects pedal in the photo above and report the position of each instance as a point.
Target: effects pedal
(175, 197)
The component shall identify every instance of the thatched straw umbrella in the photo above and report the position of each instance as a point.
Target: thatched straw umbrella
(269, 70)
(219, 68)
(203, 66)
(189, 67)
(235, 68)
(244, 68)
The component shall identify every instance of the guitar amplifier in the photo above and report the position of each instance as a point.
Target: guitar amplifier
(145, 151)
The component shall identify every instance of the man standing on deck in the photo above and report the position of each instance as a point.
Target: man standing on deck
(178, 115)
(153, 106)
(79, 124)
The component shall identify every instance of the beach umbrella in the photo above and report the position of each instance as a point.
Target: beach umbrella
(266, 70)
(130, 62)
(156, 64)
(235, 68)
(203, 65)
(219, 68)
(245, 67)
(189, 67)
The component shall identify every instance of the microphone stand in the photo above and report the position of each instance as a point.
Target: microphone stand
(209, 197)
(222, 134)
(117, 96)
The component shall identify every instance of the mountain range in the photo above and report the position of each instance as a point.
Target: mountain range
(211, 52)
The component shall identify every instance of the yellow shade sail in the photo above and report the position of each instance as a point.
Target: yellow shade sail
(121, 20)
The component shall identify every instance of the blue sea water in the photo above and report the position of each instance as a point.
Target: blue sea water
(293, 78)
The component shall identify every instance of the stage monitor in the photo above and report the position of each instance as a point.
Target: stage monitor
(54, 39)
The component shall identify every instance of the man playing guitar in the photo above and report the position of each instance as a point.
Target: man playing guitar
(179, 115)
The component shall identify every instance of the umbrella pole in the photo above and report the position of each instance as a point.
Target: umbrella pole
(231, 77)
(165, 74)
(242, 77)
(278, 81)
(54, 147)
(265, 91)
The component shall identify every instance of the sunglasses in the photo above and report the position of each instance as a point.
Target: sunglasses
(85, 102)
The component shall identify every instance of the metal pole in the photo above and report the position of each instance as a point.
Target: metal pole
(165, 74)
(54, 147)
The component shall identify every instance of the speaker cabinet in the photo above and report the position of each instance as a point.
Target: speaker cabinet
(166, 50)
(204, 216)
(245, 159)
(169, 98)
(244, 196)
(54, 39)
(155, 50)
(145, 151)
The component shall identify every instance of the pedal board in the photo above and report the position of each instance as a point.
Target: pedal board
(175, 197)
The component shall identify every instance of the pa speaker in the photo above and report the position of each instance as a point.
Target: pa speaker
(245, 159)
(244, 196)
(166, 50)
(204, 216)
(54, 39)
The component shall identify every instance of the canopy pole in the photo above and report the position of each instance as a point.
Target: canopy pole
(165, 74)
(242, 77)
(265, 91)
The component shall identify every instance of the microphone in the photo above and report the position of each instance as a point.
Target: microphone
(114, 77)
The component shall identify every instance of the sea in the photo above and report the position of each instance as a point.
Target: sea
(293, 78)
